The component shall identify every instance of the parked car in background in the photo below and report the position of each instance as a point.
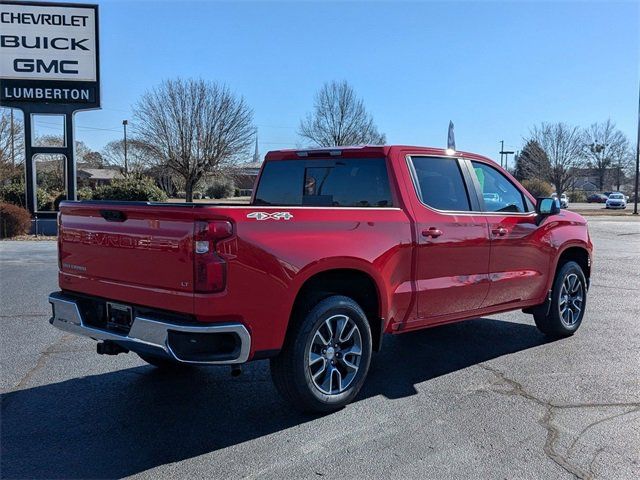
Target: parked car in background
(491, 199)
(616, 200)
(563, 199)
(607, 194)
(596, 198)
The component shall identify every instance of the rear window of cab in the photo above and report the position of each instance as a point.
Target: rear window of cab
(348, 182)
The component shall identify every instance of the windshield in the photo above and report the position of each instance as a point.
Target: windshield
(616, 195)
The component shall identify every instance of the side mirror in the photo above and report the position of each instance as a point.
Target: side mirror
(547, 206)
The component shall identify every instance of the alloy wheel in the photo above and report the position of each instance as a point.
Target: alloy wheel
(334, 354)
(571, 300)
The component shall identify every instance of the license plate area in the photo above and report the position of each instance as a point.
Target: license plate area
(119, 317)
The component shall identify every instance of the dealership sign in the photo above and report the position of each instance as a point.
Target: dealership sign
(49, 64)
(49, 55)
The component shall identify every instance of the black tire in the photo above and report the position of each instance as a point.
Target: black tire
(292, 369)
(163, 363)
(549, 319)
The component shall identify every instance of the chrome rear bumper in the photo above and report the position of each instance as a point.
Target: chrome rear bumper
(147, 333)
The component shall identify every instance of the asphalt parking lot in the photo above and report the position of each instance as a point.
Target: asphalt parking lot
(591, 207)
(487, 398)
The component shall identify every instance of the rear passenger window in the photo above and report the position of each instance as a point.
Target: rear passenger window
(327, 183)
(440, 184)
(498, 193)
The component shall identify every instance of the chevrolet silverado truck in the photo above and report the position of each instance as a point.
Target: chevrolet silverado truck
(337, 247)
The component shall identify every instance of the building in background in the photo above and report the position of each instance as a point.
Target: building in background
(97, 177)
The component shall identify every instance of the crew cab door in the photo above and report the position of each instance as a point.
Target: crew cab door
(451, 273)
(519, 264)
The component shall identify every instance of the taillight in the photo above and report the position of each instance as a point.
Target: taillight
(59, 242)
(210, 270)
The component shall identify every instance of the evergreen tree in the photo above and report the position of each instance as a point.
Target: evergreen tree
(532, 162)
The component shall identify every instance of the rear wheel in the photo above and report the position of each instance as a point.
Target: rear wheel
(326, 356)
(568, 300)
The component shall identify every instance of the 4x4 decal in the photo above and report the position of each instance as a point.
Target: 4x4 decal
(270, 216)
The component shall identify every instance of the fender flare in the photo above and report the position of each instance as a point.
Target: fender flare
(345, 263)
(560, 251)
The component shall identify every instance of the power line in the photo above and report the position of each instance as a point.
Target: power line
(85, 127)
(55, 126)
(97, 128)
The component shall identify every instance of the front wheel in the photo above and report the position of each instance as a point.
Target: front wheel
(568, 300)
(326, 356)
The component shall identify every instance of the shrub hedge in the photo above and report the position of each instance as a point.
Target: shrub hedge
(14, 220)
(537, 187)
(577, 196)
(83, 193)
(221, 188)
(131, 189)
(14, 193)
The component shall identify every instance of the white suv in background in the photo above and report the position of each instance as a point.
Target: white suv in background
(563, 199)
(616, 200)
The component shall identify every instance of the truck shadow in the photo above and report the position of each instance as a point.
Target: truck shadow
(124, 422)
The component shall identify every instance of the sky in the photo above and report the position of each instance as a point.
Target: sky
(494, 68)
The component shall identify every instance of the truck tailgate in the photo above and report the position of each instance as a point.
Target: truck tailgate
(136, 253)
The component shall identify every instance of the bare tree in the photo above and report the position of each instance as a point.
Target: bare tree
(339, 118)
(81, 151)
(194, 127)
(11, 145)
(140, 156)
(93, 160)
(605, 147)
(563, 147)
(50, 167)
(621, 169)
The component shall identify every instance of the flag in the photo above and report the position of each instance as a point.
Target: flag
(451, 138)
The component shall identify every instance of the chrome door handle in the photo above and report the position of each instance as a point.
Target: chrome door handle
(432, 232)
(500, 231)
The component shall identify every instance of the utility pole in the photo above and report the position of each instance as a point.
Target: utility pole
(635, 199)
(126, 164)
(13, 147)
(506, 155)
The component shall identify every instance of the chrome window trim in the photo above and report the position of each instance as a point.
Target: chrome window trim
(416, 186)
(314, 207)
(458, 212)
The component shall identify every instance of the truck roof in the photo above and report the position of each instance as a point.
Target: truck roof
(361, 152)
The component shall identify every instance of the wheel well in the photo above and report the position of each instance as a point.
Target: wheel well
(355, 284)
(578, 255)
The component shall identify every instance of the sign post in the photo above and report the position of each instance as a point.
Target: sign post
(49, 64)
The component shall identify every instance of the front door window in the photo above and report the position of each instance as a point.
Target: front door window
(498, 193)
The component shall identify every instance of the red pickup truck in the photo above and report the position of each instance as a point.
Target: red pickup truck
(338, 247)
